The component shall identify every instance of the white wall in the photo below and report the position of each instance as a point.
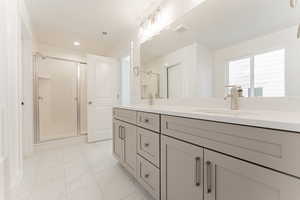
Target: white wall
(50, 50)
(125, 80)
(11, 12)
(282, 39)
(196, 63)
(204, 82)
(135, 84)
(27, 87)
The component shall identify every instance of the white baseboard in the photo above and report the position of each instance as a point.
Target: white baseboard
(101, 140)
(59, 143)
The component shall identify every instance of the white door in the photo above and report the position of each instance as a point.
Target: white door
(175, 83)
(102, 93)
(182, 169)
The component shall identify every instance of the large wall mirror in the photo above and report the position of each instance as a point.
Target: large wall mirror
(251, 43)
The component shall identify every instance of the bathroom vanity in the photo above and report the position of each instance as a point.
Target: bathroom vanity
(212, 153)
(176, 154)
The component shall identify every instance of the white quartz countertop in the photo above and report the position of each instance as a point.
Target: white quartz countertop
(288, 121)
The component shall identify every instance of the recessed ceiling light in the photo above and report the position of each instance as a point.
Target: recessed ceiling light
(76, 43)
(180, 28)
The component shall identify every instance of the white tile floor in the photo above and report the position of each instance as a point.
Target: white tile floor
(77, 172)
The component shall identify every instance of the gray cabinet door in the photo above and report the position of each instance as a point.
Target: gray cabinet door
(181, 170)
(117, 141)
(227, 178)
(129, 146)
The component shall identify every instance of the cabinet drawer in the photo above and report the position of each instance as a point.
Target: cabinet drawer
(148, 121)
(125, 115)
(272, 148)
(148, 175)
(148, 145)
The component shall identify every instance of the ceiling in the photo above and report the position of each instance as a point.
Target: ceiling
(219, 24)
(61, 22)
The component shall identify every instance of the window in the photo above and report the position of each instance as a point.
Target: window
(260, 75)
(269, 73)
(239, 74)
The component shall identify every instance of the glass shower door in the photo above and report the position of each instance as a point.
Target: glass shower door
(57, 99)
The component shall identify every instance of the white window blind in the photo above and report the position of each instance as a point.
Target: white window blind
(269, 73)
(260, 75)
(239, 74)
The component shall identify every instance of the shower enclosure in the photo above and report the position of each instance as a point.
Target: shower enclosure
(57, 98)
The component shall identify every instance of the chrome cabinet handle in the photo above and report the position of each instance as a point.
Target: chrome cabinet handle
(146, 120)
(209, 176)
(123, 133)
(146, 144)
(147, 175)
(120, 132)
(197, 171)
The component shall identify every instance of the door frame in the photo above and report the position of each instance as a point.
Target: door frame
(36, 57)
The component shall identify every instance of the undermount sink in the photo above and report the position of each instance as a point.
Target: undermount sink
(225, 112)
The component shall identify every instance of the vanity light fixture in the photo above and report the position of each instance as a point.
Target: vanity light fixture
(76, 43)
(151, 26)
(293, 3)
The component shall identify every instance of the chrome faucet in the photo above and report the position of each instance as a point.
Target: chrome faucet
(236, 92)
(150, 99)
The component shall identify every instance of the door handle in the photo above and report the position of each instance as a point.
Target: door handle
(147, 175)
(90, 102)
(197, 171)
(209, 176)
